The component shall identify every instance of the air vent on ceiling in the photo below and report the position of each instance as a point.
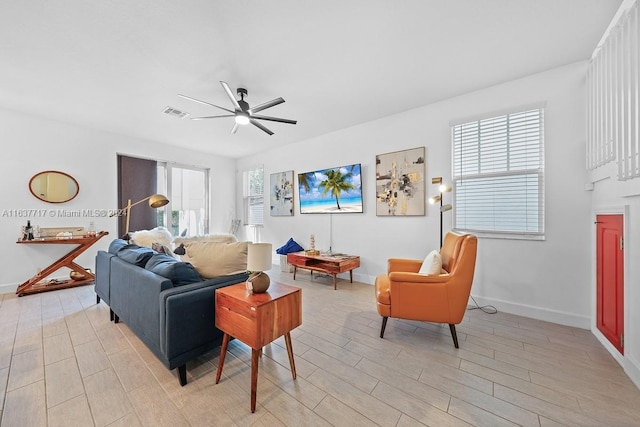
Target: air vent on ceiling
(175, 113)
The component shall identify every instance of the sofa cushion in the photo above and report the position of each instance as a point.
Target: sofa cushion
(116, 245)
(219, 238)
(432, 263)
(149, 237)
(180, 273)
(213, 259)
(134, 254)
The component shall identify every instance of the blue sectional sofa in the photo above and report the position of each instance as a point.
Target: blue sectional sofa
(163, 301)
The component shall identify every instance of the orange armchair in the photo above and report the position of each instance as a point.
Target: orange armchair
(403, 293)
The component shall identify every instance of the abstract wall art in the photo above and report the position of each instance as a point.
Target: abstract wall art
(400, 188)
(281, 194)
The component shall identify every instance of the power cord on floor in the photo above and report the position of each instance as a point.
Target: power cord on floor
(489, 309)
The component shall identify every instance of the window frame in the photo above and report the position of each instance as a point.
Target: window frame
(539, 171)
(249, 199)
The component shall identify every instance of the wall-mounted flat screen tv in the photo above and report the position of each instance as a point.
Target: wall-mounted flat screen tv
(333, 190)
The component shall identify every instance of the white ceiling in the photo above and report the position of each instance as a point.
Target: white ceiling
(116, 64)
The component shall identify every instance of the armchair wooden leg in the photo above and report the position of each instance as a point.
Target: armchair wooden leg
(452, 328)
(384, 325)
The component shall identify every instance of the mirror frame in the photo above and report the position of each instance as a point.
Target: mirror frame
(39, 197)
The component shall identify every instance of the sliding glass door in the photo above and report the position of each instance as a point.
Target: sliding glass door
(188, 190)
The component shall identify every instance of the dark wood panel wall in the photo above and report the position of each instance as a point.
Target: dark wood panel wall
(137, 179)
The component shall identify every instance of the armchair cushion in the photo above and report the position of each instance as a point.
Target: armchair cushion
(432, 264)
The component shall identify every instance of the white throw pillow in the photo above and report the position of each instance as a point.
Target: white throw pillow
(432, 264)
(149, 237)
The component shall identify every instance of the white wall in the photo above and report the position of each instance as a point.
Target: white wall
(542, 279)
(90, 157)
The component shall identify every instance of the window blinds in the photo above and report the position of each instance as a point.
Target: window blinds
(253, 192)
(498, 172)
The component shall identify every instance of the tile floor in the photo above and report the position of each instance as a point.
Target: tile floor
(62, 363)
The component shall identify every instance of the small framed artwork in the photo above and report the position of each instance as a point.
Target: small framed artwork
(281, 194)
(400, 187)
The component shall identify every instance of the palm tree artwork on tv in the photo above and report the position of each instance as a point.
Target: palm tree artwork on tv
(336, 183)
(333, 190)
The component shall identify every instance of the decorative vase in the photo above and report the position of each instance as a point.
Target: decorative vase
(258, 282)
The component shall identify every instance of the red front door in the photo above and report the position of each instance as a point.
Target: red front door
(610, 279)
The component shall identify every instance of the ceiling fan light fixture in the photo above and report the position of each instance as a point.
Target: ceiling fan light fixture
(242, 118)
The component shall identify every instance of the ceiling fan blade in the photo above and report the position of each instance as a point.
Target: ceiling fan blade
(205, 103)
(258, 125)
(212, 117)
(233, 99)
(235, 128)
(274, 119)
(266, 105)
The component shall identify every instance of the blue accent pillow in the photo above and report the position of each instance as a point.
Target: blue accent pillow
(180, 273)
(289, 247)
(134, 254)
(116, 245)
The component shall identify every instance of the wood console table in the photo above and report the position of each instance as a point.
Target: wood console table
(257, 320)
(33, 285)
(328, 264)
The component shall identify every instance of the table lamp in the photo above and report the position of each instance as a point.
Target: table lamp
(258, 261)
(155, 201)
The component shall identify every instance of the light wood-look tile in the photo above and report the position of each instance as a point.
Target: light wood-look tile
(25, 406)
(57, 348)
(63, 382)
(73, 412)
(107, 397)
(26, 368)
(62, 362)
(91, 358)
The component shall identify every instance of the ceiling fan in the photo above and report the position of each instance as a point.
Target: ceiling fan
(242, 113)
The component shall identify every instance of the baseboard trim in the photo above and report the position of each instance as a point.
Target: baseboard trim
(630, 365)
(8, 289)
(539, 313)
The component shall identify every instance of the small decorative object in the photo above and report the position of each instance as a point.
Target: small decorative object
(400, 183)
(312, 246)
(91, 231)
(64, 235)
(258, 261)
(77, 276)
(28, 231)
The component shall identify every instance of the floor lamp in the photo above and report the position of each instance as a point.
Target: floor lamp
(442, 188)
(155, 201)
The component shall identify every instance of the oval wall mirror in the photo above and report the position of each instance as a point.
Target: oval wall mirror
(54, 186)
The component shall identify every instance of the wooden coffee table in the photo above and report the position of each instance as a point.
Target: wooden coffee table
(329, 264)
(257, 320)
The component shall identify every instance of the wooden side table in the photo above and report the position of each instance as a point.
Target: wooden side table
(257, 320)
(32, 286)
